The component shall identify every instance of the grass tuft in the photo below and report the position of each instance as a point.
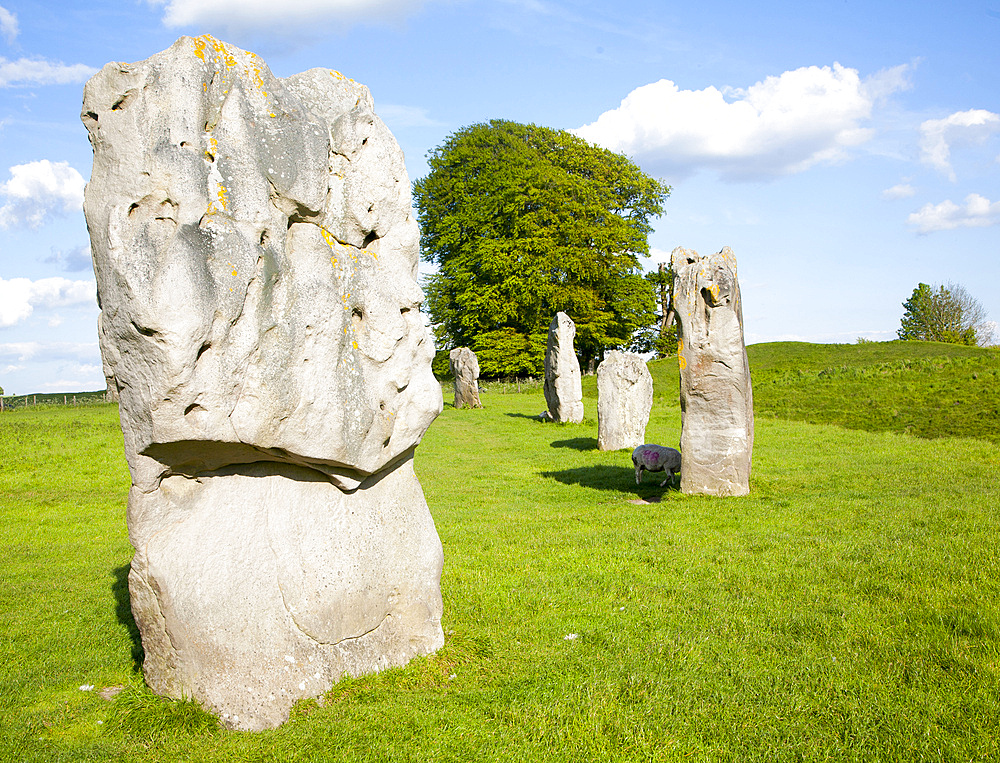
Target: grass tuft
(138, 713)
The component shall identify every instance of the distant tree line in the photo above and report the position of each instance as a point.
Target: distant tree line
(944, 314)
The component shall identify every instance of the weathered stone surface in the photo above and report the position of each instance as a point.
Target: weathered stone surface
(624, 399)
(563, 386)
(256, 261)
(465, 369)
(716, 395)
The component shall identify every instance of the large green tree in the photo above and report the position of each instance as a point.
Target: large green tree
(944, 314)
(524, 221)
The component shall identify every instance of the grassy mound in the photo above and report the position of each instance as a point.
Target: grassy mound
(928, 389)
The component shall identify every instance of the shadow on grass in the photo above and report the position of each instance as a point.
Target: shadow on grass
(577, 443)
(523, 416)
(123, 611)
(603, 477)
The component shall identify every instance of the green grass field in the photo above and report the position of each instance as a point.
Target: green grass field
(849, 609)
(928, 389)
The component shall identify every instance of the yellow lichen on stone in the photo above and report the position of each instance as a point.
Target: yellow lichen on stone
(258, 79)
(223, 50)
(223, 201)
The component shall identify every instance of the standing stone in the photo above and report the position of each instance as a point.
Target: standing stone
(465, 369)
(624, 399)
(256, 261)
(716, 397)
(563, 385)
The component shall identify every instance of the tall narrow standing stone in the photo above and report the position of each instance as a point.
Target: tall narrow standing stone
(563, 384)
(465, 369)
(256, 262)
(716, 395)
(624, 399)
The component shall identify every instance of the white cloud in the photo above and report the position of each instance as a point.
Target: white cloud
(991, 329)
(8, 25)
(899, 191)
(65, 366)
(978, 212)
(396, 116)
(38, 189)
(49, 351)
(20, 296)
(656, 256)
(269, 16)
(37, 71)
(838, 337)
(780, 126)
(74, 260)
(78, 377)
(20, 350)
(938, 135)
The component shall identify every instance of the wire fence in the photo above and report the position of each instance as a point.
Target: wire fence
(15, 402)
(18, 402)
(509, 386)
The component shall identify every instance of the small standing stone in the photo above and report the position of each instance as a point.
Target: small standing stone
(465, 369)
(563, 385)
(716, 396)
(624, 399)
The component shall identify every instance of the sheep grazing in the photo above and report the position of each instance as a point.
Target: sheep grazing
(656, 458)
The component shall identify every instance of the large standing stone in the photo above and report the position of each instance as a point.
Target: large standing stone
(716, 397)
(563, 386)
(624, 399)
(256, 262)
(465, 369)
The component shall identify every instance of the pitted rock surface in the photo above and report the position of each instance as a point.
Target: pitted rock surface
(716, 395)
(624, 400)
(563, 385)
(465, 368)
(260, 320)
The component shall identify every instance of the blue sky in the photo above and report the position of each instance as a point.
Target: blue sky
(845, 150)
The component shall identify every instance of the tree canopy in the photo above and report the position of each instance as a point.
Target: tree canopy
(944, 314)
(524, 221)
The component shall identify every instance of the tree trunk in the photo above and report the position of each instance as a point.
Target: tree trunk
(666, 306)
